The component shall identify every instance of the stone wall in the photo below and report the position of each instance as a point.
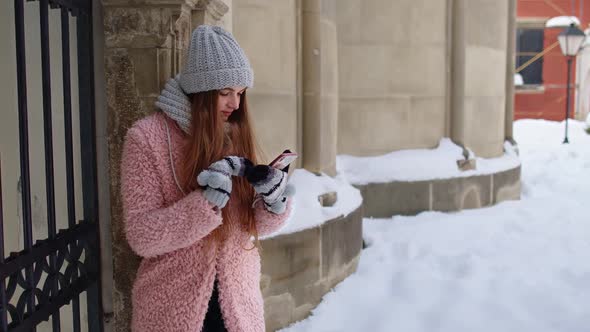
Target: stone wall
(411, 72)
(393, 72)
(383, 200)
(298, 269)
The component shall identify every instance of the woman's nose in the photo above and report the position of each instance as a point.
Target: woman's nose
(234, 101)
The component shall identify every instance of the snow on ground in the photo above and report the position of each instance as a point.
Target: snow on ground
(518, 266)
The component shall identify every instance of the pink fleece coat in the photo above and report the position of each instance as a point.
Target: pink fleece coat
(169, 230)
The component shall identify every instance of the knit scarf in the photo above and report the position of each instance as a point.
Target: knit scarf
(175, 104)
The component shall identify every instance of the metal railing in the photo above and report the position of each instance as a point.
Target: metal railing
(68, 259)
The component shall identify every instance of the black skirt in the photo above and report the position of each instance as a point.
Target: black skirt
(213, 318)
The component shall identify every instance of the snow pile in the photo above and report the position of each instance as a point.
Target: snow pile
(518, 266)
(562, 22)
(307, 211)
(518, 80)
(418, 165)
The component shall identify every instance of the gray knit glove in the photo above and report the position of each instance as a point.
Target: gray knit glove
(217, 178)
(271, 184)
(280, 205)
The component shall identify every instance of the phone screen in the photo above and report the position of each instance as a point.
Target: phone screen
(284, 160)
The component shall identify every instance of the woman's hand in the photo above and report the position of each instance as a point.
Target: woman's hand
(271, 184)
(280, 205)
(217, 178)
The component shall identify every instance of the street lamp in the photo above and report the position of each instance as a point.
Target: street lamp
(570, 41)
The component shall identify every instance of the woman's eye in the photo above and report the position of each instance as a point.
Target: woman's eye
(224, 93)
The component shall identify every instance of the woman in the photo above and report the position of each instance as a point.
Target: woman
(188, 189)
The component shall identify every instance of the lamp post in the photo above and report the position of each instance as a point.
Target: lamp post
(570, 41)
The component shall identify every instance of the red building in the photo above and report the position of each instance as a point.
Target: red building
(543, 94)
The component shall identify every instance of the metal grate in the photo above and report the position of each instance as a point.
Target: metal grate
(50, 273)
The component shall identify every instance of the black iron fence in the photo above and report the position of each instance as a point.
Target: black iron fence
(47, 274)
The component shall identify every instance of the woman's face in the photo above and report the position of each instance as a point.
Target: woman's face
(228, 100)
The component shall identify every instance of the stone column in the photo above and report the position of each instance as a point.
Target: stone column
(458, 72)
(479, 75)
(510, 49)
(145, 42)
(319, 109)
(311, 61)
(329, 99)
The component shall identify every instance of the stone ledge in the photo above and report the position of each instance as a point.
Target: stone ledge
(383, 200)
(298, 269)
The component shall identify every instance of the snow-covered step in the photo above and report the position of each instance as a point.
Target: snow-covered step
(408, 182)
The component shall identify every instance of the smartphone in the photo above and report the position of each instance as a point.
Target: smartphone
(283, 161)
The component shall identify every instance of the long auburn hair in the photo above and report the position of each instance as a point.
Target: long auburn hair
(209, 140)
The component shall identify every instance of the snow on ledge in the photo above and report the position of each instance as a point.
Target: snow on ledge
(562, 22)
(307, 211)
(518, 80)
(419, 165)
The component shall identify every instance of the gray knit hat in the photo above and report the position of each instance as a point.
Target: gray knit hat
(215, 61)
